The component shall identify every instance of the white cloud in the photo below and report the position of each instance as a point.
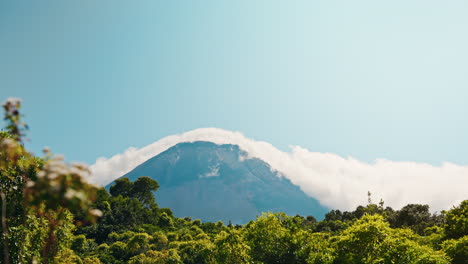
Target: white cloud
(337, 182)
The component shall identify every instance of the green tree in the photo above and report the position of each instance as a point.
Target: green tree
(122, 186)
(414, 216)
(269, 239)
(457, 249)
(157, 257)
(17, 166)
(195, 251)
(143, 189)
(48, 189)
(231, 247)
(313, 248)
(139, 243)
(371, 240)
(456, 224)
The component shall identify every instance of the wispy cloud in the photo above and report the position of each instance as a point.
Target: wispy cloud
(335, 181)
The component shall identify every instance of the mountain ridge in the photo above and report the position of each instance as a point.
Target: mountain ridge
(220, 182)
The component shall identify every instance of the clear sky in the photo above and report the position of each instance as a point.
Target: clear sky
(367, 79)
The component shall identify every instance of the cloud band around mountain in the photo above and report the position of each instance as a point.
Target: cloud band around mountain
(337, 182)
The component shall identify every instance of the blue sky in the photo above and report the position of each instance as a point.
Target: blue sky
(367, 79)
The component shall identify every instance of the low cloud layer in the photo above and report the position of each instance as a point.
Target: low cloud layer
(337, 182)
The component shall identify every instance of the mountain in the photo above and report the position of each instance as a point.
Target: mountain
(213, 182)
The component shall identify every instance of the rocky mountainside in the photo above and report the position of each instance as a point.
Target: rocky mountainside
(212, 182)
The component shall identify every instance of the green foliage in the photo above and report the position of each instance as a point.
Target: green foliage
(139, 243)
(414, 216)
(83, 246)
(159, 241)
(92, 260)
(457, 249)
(27, 240)
(122, 186)
(195, 251)
(231, 247)
(141, 189)
(457, 221)
(38, 199)
(67, 256)
(119, 250)
(371, 240)
(313, 248)
(166, 221)
(269, 239)
(157, 257)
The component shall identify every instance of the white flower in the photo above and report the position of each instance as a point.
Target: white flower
(81, 173)
(8, 143)
(30, 184)
(59, 157)
(41, 174)
(52, 176)
(12, 101)
(56, 166)
(80, 165)
(95, 212)
(80, 195)
(70, 194)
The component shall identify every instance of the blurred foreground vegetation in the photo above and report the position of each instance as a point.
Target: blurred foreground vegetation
(50, 214)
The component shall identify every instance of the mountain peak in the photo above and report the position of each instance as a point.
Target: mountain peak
(220, 182)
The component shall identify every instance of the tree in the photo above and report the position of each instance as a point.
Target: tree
(17, 166)
(157, 257)
(457, 249)
(414, 216)
(195, 251)
(456, 224)
(313, 248)
(143, 189)
(48, 189)
(269, 240)
(231, 247)
(122, 186)
(371, 240)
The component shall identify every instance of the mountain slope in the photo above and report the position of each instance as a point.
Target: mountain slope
(217, 182)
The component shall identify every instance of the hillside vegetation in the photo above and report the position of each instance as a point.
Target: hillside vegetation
(50, 214)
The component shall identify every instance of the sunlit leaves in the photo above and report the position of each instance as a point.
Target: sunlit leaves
(457, 221)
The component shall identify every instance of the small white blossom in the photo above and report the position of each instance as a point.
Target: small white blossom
(52, 176)
(59, 157)
(12, 101)
(41, 174)
(30, 184)
(70, 194)
(95, 212)
(56, 166)
(80, 195)
(81, 173)
(8, 143)
(81, 166)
